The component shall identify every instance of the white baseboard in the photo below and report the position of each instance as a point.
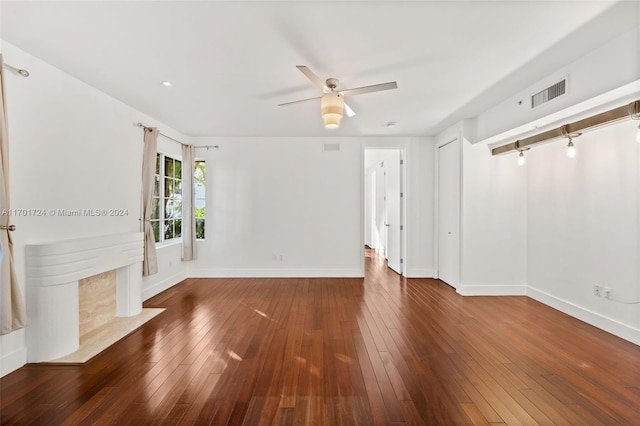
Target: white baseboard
(595, 319)
(492, 290)
(275, 273)
(420, 273)
(12, 361)
(159, 287)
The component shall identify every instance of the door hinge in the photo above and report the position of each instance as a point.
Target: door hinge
(401, 260)
(401, 194)
(401, 228)
(401, 162)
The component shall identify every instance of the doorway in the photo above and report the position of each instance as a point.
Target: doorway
(384, 204)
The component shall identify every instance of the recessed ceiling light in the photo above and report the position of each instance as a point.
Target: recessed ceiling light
(166, 83)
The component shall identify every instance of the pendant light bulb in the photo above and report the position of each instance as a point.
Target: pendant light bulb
(571, 150)
(521, 159)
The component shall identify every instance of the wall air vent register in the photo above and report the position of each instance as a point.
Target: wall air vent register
(552, 92)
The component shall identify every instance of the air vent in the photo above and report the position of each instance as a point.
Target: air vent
(332, 147)
(551, 92)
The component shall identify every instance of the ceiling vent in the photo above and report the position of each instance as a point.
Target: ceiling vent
(552, 92)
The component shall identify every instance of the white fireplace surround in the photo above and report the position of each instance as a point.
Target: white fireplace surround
(53, 272)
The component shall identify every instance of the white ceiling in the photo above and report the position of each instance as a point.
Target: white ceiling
(231, 63)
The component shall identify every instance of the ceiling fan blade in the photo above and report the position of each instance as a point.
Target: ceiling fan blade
(348, 111)
(369, 89)
(311, 76)
(300, 101)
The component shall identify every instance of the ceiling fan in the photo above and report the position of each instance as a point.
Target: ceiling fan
(332, 102)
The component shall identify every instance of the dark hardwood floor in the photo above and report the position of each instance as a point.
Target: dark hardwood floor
(383, 350)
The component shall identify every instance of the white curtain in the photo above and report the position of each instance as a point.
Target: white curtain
(13, 314)
(150, 261)
(188, 209)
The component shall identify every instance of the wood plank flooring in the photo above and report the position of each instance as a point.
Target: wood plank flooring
(383, 350)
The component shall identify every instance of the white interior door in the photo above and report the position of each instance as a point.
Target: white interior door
(394, 210)
(449, 213)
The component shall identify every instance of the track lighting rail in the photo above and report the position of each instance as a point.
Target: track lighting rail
(631, 110)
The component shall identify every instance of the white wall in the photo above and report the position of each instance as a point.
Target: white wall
(584, 227)
(287, 196)
(420, 189)
(71, 147)
(493, 223)
(270, 197)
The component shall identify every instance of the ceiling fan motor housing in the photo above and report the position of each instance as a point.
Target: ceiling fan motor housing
(332, 83)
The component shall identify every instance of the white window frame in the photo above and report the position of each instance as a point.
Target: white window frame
(204, 219)
(160, 176)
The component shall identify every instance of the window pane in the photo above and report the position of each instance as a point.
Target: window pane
(156, 230)
(155, 208)
(199, 209)
(168, 166)
(168, 187)
(177, 187)
(177, 169)
(177, 207)
(200, 229)
(168, 208)
(156, 187)
(199, 172)
(177, 229)
(158, 163)
(168, 229)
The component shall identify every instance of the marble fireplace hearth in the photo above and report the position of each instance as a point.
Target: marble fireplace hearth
(109, 269)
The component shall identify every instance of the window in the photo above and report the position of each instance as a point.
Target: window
(199, 199)
(166, 216)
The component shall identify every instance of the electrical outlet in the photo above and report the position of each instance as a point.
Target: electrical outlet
(597, 290)
(608, 293)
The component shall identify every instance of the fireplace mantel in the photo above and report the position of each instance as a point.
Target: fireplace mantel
(53, 271)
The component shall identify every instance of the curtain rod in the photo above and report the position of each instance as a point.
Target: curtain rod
(20, 71)
(175, 140)
(631, 110)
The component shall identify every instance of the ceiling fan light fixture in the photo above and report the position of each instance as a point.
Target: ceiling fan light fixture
(332, 107)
